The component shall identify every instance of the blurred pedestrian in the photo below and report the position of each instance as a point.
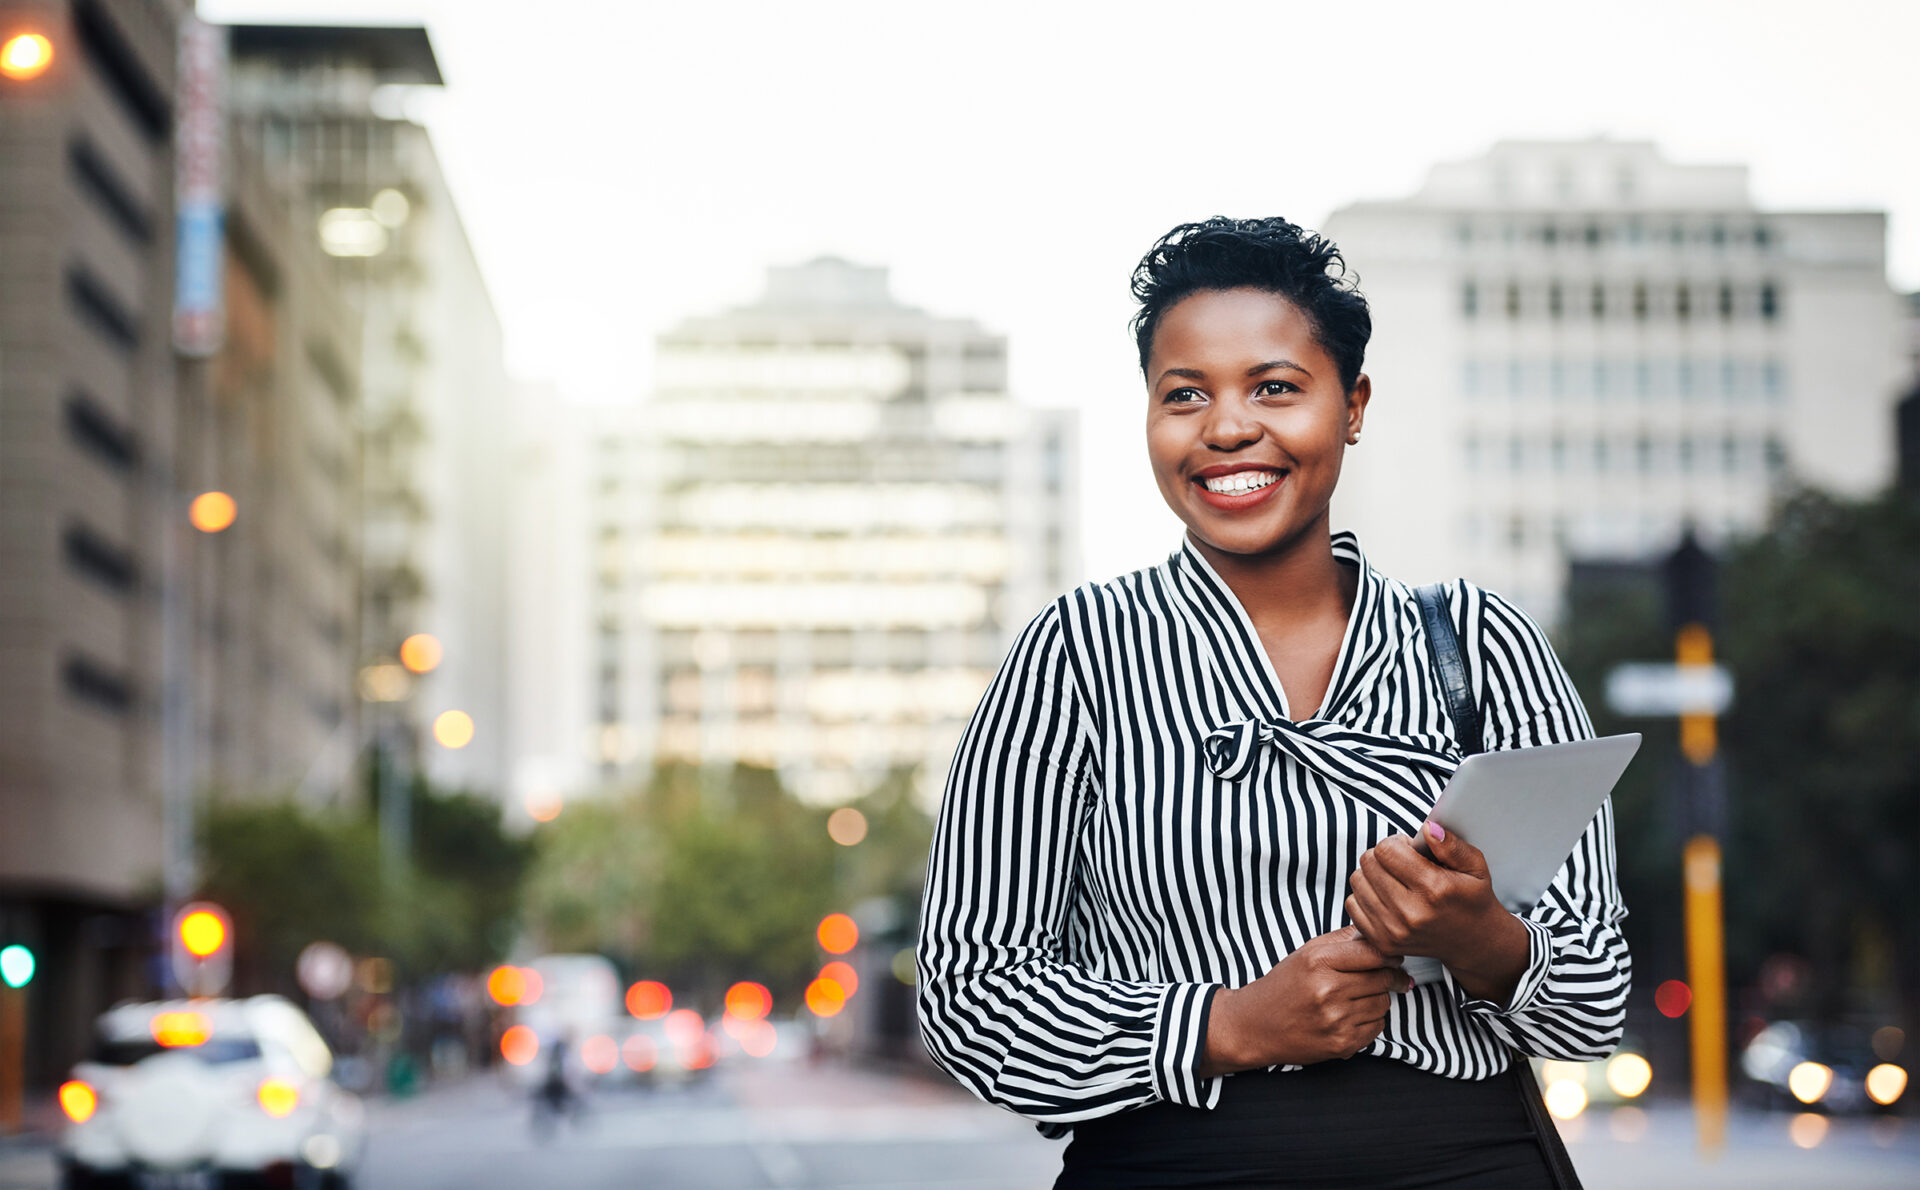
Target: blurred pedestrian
(1175, 872)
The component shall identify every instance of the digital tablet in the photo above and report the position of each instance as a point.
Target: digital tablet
(1525, 808)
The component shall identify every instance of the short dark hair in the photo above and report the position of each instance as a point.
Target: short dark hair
(1269, 254)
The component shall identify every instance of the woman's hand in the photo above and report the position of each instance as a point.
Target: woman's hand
(1439, 904)
(1327, 999)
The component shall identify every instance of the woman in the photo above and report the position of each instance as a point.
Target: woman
(1174, 874)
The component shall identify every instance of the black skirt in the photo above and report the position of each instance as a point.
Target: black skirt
(1366, 1121)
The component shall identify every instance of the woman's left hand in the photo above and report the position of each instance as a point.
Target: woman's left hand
(1406, 903)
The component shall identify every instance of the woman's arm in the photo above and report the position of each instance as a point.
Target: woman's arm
(1003, 1008)
(1570, 1000)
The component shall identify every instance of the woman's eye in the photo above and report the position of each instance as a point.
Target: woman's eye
(1184, 396)
(1277, 388)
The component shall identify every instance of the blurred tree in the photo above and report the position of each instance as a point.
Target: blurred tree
(1823, 752)
(1824, 745)
(703, 883)
(290, 877)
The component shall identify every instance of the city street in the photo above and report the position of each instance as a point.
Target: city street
(794, 1125)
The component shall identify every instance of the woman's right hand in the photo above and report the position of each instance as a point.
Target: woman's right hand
(1326, 1000)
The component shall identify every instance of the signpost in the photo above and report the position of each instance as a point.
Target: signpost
(1698, 691)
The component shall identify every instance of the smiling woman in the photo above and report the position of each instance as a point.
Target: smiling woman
(1175, 878)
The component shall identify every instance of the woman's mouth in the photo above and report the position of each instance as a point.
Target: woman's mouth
(1239, 489)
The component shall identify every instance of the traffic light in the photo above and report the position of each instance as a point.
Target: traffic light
(201, 948)
(16, 966)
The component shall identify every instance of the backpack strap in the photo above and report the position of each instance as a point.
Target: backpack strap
(1443, 646)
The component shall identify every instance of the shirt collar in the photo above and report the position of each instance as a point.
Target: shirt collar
(1371, 637)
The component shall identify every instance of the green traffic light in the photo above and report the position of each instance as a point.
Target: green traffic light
(16, 966)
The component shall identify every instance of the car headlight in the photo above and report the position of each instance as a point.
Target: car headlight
(1886, 1083)
(277, 1097)
(1809, 1081)
(79, 1100)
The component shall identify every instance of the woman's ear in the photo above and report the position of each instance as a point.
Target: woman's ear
(1357, 406)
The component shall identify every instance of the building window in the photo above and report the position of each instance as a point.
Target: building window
(1769, 302)
(1729, 454)
(1726, 301)
(1643, 455)
(103, 313)
(1516, 454)
(1762, 237)
(98, 559)
(1682, 302)
(1602, 459)
(114, 198)
(1470, 378)
(99, 433)
(1772, 380)
(1470, 452)
(1683, 377)
(1517, 531)
(1557, 454)
(1555, 301)
(1513, 299)
(1598, 300)
(90, 682)
(1775, 453)
(1685, 448)
(1470, 299)
(1640, 300)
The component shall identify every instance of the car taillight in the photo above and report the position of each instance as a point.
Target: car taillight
(277, 1097)
(78, 1100)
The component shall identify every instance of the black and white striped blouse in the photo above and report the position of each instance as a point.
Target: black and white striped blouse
(1132, 821)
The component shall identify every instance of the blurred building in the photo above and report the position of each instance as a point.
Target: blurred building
(813, 542)
(143, 658)
(1580, 346)
(326, 107)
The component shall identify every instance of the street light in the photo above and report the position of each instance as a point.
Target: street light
(212, 512)
(421, 652)
(25, 56)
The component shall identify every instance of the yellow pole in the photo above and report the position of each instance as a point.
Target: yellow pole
(1706, 972)
(13, 1043)
(1706, 945)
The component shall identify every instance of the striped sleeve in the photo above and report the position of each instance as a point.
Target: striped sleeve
(1003, 1006)
(1570, 1002)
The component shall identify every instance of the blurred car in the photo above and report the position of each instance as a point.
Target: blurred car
(210, 1094)
(1803, 1064)
(1569, 1088)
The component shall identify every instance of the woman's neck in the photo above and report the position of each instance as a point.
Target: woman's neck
(1297, 583)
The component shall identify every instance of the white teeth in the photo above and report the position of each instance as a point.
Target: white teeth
(1241, 481)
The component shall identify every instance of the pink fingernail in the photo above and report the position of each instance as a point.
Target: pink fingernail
(1436, 830)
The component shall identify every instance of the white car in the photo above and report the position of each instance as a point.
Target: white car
(207, 1095)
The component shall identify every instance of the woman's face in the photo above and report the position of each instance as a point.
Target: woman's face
(1246, 419)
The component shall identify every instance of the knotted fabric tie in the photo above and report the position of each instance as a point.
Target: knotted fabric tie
(1398, 777)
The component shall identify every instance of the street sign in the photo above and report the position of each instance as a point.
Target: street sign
(1649, 688)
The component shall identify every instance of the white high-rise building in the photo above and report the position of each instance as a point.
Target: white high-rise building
(812, 544)
(1580, 347)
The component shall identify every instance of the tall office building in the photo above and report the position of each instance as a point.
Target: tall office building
(142, 660)
(325, 105)
(812, 543)
(1579, 347)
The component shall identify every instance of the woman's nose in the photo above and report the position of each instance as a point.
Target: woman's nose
(1229, 427)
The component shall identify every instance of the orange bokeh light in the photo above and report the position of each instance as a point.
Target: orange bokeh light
(25, 56)
(202, 933)
(212, 512)
(749, 1001)
(825, 997)
(649, 1000)
(180, 1029)
(544, 805)
(837, 933)
(519, 1045)
(842, 974)
(421, 652)
(78, 1100)
(507, 985)
(600, 1053)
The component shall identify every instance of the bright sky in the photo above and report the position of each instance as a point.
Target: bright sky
(623, 165)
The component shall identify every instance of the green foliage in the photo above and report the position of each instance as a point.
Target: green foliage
(1824, 737)
(703, 882)
(290, 877)
(1822, 747)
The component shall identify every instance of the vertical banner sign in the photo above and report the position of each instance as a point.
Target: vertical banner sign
(198, 145)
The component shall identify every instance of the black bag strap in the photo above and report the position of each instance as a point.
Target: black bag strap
(1443, 646)
(1456, 683)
